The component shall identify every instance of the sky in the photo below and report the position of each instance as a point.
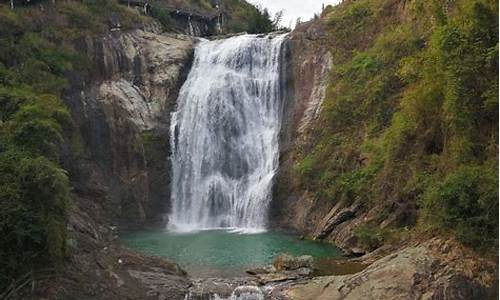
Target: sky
(304, 9)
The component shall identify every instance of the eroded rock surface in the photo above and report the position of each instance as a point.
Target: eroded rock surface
(306, 74)
(415, 272)
(118, 154)
(228, 288)
(284, 268)
(99, 268)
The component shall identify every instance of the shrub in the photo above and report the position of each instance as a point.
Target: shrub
(466, 203)
(34, 197)
(246, 17)
(34, 189)
(162, 16)
(369, 237)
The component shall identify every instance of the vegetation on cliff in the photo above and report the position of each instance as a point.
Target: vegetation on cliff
(34, 189)
(248, 18)
(36, 55)
(410, 119)
(233, 15)
(241, 16)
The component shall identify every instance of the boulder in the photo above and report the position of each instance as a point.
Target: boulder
(281, 276)
(263, 270)
(289, 262)
(224, 288)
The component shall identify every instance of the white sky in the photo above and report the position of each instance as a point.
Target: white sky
(304, 9)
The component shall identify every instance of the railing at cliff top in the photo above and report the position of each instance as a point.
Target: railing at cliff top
(31, 277)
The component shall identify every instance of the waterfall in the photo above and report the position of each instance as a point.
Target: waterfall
(224, 135)
(190, 30)
(219, 27)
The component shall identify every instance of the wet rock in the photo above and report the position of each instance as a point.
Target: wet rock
(224, 288)
(263, 270)
(248, 293)
(158, 283)
(285, 268)
(281, 276)
(289, 262)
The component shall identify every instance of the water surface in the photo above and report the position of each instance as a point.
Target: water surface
(224, 253)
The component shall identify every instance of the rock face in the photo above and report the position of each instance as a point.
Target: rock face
(119, 152)
(288, 262)
(416, 272)
(99, 268)
(220, 288)
(304, 87)
(402, 271)
(117, 158)
(305, 80)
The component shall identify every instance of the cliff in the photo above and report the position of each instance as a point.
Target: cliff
(368, 165)
(122, 118)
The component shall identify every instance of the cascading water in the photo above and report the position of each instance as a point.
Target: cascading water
(224, 135)
(190, 27)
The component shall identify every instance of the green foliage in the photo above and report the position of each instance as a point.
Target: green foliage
(410, 104)
(34, 189)
(100, 13)
(32, 123)
(354, 17)
(162, 16)
(80, 17)
(466, 203)
(205, 4)
(247, 18)
(369, 237)
(451, 85)
(34, 198)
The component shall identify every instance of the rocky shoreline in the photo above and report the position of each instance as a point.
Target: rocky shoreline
(434, 269)
(424, 270)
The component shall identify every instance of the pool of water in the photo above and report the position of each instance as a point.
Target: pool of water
(224, 253)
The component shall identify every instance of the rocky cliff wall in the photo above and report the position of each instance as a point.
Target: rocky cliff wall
(118, 157)
(408, 267)
(307, 66)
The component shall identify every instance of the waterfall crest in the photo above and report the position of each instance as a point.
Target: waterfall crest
(224, 135)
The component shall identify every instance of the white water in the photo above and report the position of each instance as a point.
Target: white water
(224, 135)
